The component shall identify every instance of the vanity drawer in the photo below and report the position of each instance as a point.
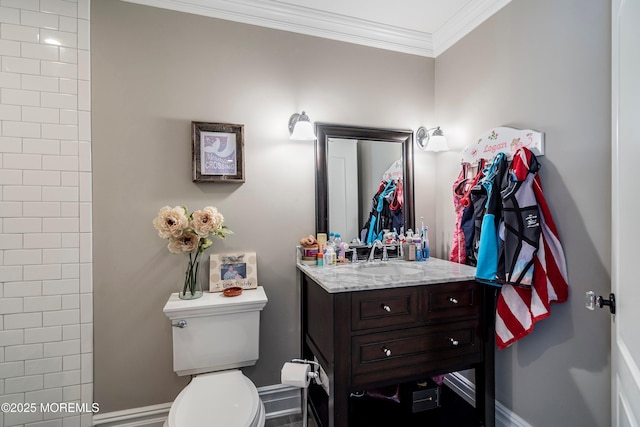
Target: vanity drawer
(452, 301)
(386, 355)
(382, 308)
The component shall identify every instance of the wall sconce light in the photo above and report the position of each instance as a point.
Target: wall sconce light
(300, 127)
(431, 139)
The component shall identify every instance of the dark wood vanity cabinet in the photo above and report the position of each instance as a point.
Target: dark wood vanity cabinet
(373, 338)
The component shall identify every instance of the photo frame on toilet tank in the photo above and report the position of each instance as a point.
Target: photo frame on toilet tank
(238, 269)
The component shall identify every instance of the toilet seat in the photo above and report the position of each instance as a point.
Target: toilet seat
(225, 399)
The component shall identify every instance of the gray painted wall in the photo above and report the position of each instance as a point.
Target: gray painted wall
(545, 65)
(153, 72)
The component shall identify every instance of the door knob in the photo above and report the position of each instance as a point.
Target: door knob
(593, 301)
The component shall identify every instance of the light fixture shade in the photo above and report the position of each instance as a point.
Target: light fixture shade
(303, 131)
(301, 128)
(437, 143)
(431, 140)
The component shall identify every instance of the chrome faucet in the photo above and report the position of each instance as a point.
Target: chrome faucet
(385, 255)
(374, 245)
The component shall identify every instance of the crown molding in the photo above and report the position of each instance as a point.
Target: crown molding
(333, 26)
(463, 22)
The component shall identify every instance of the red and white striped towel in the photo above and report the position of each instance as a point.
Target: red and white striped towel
(519, 308)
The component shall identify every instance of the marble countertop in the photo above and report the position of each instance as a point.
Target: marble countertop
(389, 274)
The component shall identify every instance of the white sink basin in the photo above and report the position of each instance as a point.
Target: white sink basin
(388, 269)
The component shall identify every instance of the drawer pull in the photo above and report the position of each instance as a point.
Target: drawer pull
(454, 342)
(386, 351)
(386, 308)
(452, 300)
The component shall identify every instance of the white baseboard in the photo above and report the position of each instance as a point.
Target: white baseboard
(279, 400)
(467, 390)
(147, 416)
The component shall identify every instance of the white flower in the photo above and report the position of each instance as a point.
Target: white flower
(188, 242)
(171, 222)
(206, 221)
(190, 233)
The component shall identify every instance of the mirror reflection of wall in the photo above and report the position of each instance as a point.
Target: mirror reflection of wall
(355, 169)
(343, 183)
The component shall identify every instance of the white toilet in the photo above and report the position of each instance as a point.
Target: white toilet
(213, 336)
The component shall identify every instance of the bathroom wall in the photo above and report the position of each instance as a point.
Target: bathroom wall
(45, 209)
(153, 72)
(545, 65)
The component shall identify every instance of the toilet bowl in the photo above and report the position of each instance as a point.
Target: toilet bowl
(213, 337)
(222, 399)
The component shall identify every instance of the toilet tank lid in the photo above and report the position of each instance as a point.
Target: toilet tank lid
(214, 303)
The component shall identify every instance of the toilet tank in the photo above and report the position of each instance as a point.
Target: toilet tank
(219, 332)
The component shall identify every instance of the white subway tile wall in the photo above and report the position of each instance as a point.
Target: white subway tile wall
(46, 285)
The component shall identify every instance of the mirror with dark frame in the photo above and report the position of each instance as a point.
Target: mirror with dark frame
(369, 145)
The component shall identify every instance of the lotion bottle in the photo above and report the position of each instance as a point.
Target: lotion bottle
(330, 255)
(407, 244)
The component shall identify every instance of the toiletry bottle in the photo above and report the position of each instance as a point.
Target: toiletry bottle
(320, 259)
(425, 243)
(343, 248)
(411, 251)
(331, 243)
(322, 241)
(330, 255)
(417, 241)
(401, 246)
(407, 242)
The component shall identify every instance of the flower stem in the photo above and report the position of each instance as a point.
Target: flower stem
(191, 275)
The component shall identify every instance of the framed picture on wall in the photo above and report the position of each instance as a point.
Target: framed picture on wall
(233, 270)
(218, 152)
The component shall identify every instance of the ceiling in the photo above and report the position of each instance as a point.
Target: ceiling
(419, 27)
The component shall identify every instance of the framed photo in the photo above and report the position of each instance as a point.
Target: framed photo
(218, 152)
(228, 270)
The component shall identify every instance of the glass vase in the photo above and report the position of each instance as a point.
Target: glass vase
(192, 287)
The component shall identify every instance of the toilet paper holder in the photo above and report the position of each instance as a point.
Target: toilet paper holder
(313, 376)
